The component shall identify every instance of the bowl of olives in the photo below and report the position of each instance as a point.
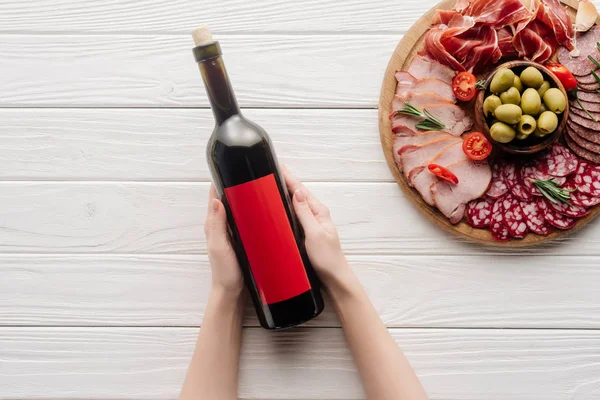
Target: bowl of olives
(523, 109)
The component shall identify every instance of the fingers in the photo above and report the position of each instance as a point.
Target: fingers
(320, 211)
(304, 213)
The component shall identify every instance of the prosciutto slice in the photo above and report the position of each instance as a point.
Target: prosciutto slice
(478, 33)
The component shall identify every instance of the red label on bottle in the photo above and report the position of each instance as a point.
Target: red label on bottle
(268, 239)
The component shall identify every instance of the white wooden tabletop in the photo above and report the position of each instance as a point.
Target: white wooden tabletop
(103, 184)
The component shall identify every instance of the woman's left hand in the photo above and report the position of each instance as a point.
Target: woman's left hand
(226, 273)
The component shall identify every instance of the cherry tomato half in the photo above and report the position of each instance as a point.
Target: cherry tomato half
(463, 86)
(564, 75)
(476, 146)
(443, 173)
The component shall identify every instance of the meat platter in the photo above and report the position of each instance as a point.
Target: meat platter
(539, 179)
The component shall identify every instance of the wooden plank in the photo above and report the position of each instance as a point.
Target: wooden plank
(419, 291)
(152, 218)
(235, 16)
(169, 144)
(159, 71)
(136, 363)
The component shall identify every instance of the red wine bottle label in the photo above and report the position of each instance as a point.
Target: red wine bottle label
(268, 239)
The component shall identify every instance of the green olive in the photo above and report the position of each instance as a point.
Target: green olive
(490, 104)
(531, 77)
(542, 109)
(545, 86)
(511, 96)
(508, 113)
(547, 122)
(538, 133)
(527, 125)
(502, 133)
(555, 100)
(531, 102)
(518, 84)
(521, 136)
(502, 80)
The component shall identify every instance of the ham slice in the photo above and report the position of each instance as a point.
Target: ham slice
(417, 156)
(454, 118)
(477, 33)
(473, 181)
(422, 179)
(409, 84)
(407, 138)
(418, 100)
(424, 67)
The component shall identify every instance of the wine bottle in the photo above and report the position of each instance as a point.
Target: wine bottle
(265, 233)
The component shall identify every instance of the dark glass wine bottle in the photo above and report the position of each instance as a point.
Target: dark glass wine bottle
(266, 236)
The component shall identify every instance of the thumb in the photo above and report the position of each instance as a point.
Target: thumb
(303, 212)
(218, 221)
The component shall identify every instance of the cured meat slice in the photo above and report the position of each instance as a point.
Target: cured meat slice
(473, 181)
(534, 218)
(589, 97)
(418, 100)
(583, 114)
(512, 177)
(586, 80)
(554, 15)
(584, 200)
(424, 67)
(590, 87)
(498, 187)
(591, 107)
(586, 43)
(454, 118)
(422, 179)
(535, 42)
(586, 144)
(498, 228)
(531, 172)
(514, 217)
(587, 180)
(479, 213)
(553, 218)
(559, 161)
(406, 138)
(416, 156)
(572, 211)
(581, 152)
(583, 132)
(409, 84)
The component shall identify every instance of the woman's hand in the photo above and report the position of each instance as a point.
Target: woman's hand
(322, 241)
(226, 273)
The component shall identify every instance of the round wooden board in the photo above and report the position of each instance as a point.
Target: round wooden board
(406, 50)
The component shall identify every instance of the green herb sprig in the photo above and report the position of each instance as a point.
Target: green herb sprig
(429, 123)
(553, 192)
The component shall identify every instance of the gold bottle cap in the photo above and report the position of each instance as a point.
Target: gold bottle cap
(202, 36)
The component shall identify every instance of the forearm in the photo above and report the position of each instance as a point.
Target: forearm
(213, 371)
(385, 372)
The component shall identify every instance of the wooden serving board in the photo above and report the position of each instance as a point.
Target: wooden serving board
(403, 55)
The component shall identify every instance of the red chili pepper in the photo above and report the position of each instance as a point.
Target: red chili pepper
(443, 173)
(564, 76)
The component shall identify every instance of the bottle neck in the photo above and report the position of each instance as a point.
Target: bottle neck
(216, 81)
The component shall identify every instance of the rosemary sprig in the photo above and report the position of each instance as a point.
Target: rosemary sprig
(586, 111)
(553, 192)
(594, 61)
(429, 123)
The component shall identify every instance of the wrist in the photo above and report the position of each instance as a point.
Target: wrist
(225, 297)
(342, 284)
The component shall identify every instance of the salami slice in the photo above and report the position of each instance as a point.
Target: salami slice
(553, 218)
(572, 211)
(560, 161)
(586, 43)
(584, 200)
(581, 152)
(479, 213)
(589, 97)
(586, 144)
(531, 172)
(534, 218)
(588, 180)
(583, 114)
(497, 226)
(512, 177)
(514, 218)
(591, 107)
(498, 187)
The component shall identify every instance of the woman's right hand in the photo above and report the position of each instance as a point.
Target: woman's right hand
(322, 240)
